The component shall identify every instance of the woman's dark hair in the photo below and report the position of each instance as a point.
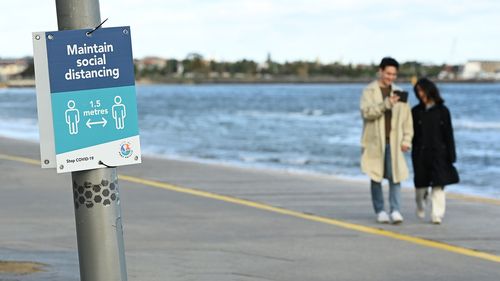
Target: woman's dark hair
(430, 90)
(388, 61)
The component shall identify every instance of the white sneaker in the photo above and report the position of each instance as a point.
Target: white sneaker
(382, 217)
(436, 220)
(396, 217)
(421, 214)
(422, 197)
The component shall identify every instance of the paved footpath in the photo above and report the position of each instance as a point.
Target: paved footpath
(191, 221)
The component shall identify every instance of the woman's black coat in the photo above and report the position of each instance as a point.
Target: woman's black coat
(433, 149)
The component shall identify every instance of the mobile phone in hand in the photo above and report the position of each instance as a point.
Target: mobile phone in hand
(403, 95)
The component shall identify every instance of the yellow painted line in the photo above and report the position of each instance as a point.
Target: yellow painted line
(269, 208)
(325, 220)
(20, 159)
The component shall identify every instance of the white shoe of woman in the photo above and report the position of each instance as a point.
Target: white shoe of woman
(436, 220)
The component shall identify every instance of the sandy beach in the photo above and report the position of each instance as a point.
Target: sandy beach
(191, 221)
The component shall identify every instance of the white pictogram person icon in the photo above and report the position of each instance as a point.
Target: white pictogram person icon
(119, 113)
(72, 117)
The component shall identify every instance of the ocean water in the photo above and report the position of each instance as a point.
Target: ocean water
(299, 128)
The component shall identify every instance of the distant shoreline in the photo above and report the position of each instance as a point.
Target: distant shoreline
(28, 83)
(289, 81)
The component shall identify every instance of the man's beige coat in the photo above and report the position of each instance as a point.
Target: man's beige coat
(373, 141)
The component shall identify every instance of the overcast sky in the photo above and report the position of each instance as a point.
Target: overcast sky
(357, 31)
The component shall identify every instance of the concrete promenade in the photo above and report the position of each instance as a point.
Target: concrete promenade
(192, 221)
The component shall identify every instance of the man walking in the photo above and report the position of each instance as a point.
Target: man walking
(387, 134)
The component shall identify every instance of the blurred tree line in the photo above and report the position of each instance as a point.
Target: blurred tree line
(196, 66)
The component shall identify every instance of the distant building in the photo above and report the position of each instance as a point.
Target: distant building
(151, 63)
(449, 72)
(481, 69)
(9, 68)
(180, 68)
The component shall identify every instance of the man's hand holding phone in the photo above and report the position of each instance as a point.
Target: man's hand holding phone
(394, 99)
(403, 95)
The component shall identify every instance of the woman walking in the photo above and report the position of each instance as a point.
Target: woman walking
(433, 151)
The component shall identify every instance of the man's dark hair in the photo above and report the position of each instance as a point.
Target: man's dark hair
(388, 61)
(430, 90)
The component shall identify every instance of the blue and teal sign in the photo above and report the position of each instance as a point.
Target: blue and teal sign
(92, 93)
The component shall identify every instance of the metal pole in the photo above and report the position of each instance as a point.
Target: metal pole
(99, 231)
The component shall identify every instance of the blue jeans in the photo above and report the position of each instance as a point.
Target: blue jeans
(394, 188)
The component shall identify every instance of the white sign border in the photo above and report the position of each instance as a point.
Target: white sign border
(43, 100)
(100, 156)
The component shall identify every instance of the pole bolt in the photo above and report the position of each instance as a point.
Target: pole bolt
(61, 167)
